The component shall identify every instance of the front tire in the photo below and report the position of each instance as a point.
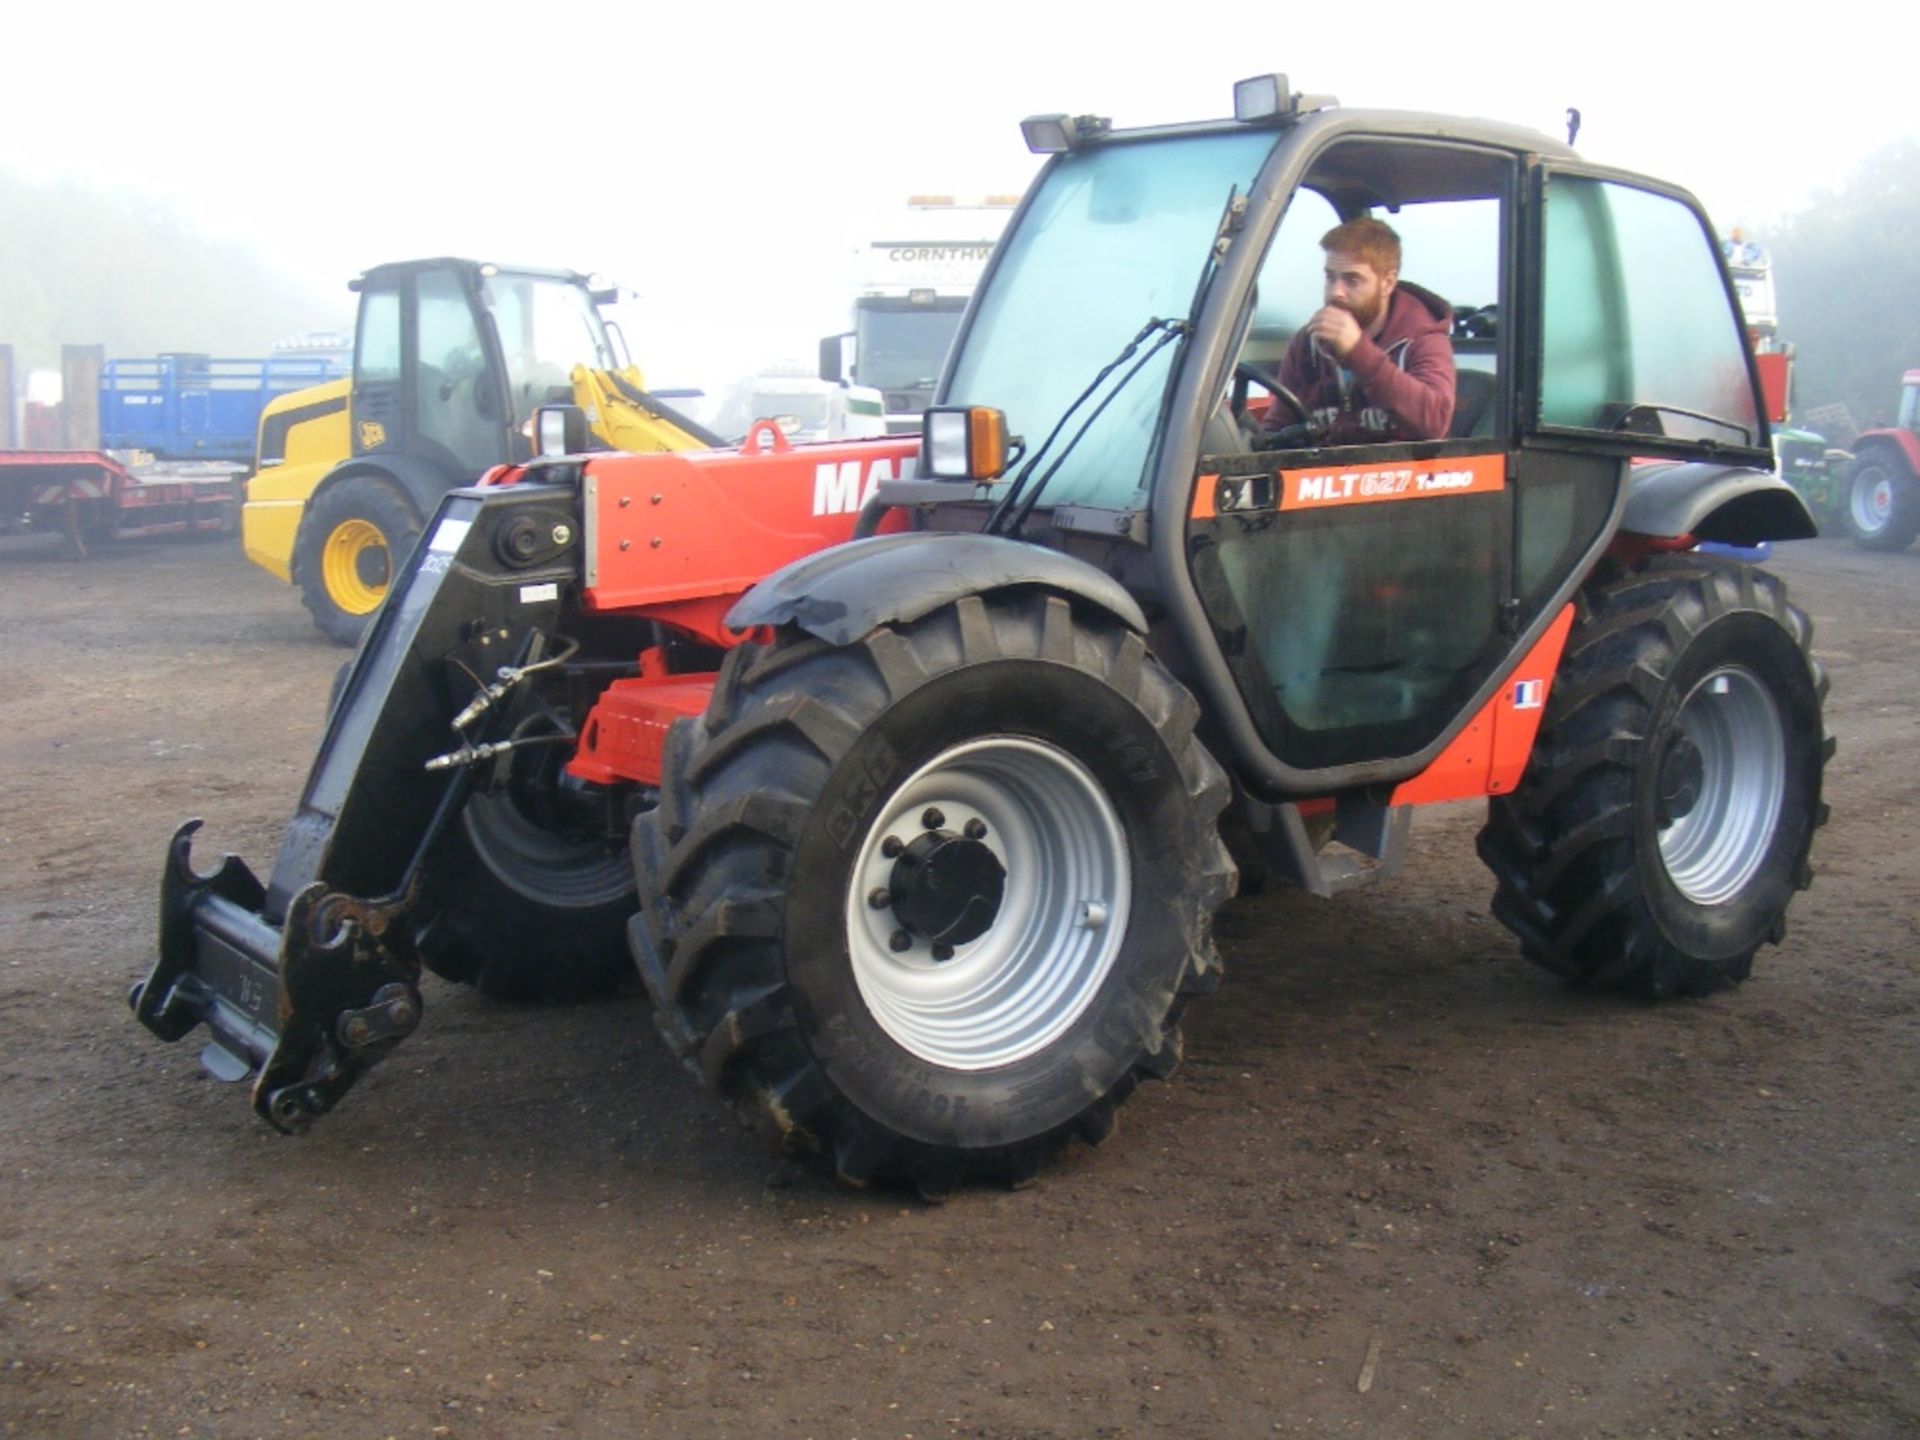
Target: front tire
(1664, 822)
(1881, 502)
(932, 903)
(352, 540)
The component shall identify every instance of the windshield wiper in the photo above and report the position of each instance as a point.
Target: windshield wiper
(1019, 501)
(1017, 504)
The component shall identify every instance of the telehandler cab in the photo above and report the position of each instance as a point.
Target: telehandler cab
(900, 769)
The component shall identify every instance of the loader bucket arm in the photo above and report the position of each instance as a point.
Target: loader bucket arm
(311, 978)
(628, 417)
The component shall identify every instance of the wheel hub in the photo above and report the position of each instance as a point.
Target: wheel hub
(1721, 784)
(947, 888)
(1682, 773)
(1872, 500)
(988, 902)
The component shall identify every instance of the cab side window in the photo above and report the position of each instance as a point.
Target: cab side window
(1450, 226)
(1452, 248)
(455, 404)
(376, 357)
(1638, 333)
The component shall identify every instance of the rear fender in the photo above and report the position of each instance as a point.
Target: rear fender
(1724, 503)
(842, 593)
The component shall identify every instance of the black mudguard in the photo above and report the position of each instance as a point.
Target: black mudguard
(311, 978)
(1727, 504)
(841, 593)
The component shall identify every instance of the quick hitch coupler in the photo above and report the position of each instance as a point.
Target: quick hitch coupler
(308, 1005)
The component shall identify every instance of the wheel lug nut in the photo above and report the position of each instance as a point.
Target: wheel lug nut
(879, 897)
(892, 846)
(932, 818)
(976, 829)
(943, 952)
(900, 940)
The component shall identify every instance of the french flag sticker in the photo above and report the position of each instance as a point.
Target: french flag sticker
(1526, 695)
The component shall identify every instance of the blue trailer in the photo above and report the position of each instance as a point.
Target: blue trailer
(166, 451)
(194, 407)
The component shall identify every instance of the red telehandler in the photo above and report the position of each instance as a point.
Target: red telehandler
(909, 773)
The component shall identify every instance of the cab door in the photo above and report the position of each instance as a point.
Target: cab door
(1363, 595)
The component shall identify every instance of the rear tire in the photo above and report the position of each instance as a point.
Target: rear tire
(1880, 502)
(352, 540)
(792, 940)
(1664, 821)
(521, 912)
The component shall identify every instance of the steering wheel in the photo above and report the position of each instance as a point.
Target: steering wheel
(1246, 371)
(1305, 430)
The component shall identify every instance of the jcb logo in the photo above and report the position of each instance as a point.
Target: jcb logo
(840, 489)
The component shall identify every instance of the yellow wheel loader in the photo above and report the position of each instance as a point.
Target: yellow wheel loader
(451, 358)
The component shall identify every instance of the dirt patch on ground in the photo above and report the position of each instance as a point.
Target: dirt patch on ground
(1405, 1184)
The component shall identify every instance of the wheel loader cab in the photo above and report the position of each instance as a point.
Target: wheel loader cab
(453, 357)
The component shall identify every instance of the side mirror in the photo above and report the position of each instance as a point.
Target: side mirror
(559, 430)
(833, 357)
(964, 443)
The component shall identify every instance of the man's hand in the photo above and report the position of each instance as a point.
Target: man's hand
(1335, 329)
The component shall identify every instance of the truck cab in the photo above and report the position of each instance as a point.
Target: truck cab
(911, 293)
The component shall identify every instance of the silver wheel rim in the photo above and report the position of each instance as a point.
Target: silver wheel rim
(1015, 989)
(1872, 501)
(1713, 850)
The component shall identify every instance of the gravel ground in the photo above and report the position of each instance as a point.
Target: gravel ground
(1405, 1184)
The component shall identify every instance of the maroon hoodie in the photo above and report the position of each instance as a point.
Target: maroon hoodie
(1399, 384)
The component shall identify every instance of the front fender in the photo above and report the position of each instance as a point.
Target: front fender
(841, 593)
(1725, 503)
(1903, 444)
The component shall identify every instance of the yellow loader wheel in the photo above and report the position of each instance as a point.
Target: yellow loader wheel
(353, 540)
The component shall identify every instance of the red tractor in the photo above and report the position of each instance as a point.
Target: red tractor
(1882, 494)
(908, 774)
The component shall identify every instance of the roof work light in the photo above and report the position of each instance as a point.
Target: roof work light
(1260, 97)
(1052, 134)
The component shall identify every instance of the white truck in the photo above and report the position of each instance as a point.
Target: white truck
(911, 291)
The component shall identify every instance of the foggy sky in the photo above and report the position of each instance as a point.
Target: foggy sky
(723, 162)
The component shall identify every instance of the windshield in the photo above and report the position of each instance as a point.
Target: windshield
(547, 326)
(904, 349)
(1114, 236)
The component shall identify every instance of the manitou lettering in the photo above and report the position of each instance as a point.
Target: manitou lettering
(840, 489)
